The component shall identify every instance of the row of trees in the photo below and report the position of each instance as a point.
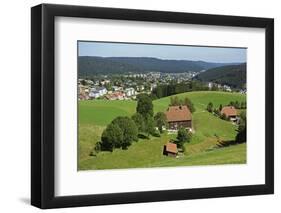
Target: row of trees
(238, 105)
(217, 111)
(123, 131)
(165, 90)
(176, 101)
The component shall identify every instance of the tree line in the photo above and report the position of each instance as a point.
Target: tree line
(173, 88)
(176, 101)
(217, 111)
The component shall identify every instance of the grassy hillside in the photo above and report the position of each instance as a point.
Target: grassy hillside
(232, 75)
(95, 115)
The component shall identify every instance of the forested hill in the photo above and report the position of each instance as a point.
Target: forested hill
(91, 65)
(232, 75)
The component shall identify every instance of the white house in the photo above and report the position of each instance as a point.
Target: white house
(116, 88)
(129, 92)
(210, 85)
(97, 92)
(153, 86)
(227, 88)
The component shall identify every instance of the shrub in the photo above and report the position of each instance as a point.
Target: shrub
(183, 135)
(112, 137)
(129, 130)
(160, 121)
(210, 107)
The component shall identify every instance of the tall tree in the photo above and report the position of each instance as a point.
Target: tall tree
(149, 125)
(144, 105)
(139, 121)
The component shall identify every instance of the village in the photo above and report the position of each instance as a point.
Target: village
(128, 86)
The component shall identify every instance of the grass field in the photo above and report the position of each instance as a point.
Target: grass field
(94, 115)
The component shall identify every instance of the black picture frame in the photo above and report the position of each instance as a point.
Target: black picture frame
(43, 102)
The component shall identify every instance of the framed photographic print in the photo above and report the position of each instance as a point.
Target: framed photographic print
(139, 106)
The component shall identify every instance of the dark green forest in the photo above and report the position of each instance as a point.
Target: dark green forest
(232, 75)
(92, 65)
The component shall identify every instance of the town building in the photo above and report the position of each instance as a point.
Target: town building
(129, 92)
(179, 116)
(97, 92)
(230, 112)
(83, 92)
(116, 88)
(170, 149)
(115, 96)
(227, 88)
(153, 86)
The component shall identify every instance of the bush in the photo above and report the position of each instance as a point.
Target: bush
(160, 121)
(217, 112)
(210, 107)
(144, 105)
(241, 136)
(112, 137)
(156, 133)
(129, 130)
(223, 116)
(183, 136)
(121, 132)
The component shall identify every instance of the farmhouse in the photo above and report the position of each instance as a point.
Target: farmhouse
(230, 112)
(178, 116)
(170, 149)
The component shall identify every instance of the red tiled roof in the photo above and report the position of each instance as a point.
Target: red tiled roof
(178, 113)
(229, 111)
(171, 147)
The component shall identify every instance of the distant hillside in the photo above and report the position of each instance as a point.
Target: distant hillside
(232, 75)
(91, 65)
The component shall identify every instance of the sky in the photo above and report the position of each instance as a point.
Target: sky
(175, 52)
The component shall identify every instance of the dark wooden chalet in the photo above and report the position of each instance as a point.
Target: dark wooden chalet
(178, 116)
(170, 149)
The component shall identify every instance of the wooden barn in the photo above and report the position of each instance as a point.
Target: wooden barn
(230, 112)
(179, 116)
(170, 149)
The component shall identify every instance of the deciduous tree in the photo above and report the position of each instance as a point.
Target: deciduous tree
(160, 121)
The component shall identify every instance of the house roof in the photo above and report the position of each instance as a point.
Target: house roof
(178, 113)
(171, 147)
(229, 111)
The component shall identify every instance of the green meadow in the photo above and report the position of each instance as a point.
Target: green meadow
(94, 115)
